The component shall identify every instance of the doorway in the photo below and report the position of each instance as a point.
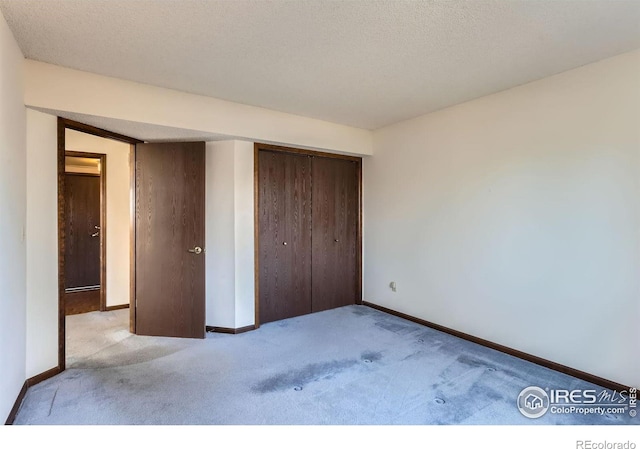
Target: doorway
(85, 231)
(94, 219)
(165, 229)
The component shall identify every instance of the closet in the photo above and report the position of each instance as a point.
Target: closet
(308, 223)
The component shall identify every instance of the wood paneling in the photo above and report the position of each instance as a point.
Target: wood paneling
(284, 235)
(319, 202)
(132, 239)
(48, 374)
(88, 129)
(118, 307)
(16, 405)
(303, 152)
(230, 330)
(82, 301)
(170, 211)
(82, 222)
(61, 244)
(335, 224)
(30, 382)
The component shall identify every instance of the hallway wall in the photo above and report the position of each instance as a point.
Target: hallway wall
(12, 221)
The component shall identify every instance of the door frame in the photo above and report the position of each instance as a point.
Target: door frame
(103, 219)
(63, 125)
(257, 147)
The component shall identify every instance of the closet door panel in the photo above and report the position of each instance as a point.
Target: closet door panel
(335, 209)
(284, 207)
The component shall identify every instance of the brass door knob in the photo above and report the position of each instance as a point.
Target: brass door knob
(196, 250)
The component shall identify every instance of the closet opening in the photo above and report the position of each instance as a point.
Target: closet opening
(308, 232)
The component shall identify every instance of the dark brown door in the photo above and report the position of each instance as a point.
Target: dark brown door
(284, 235)
(169, 258)
(335, 221)
(82, 224)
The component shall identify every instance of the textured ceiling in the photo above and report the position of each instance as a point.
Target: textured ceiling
(360, 63)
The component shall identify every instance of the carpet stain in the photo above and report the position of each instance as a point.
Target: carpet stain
(473, 362)
(303, 376)
(372, 356)
(113, 356)
(53, 400)
(415, 355)
(396, 328)
(494, 395)
(360, 311)
(461, 375)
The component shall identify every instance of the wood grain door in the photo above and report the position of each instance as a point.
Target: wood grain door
(335, 221)
(82, 222)
(284, 208)
(170, 212)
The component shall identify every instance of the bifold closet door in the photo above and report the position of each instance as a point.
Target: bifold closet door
(284, 235)
(335, 212)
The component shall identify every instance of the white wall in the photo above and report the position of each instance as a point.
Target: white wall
(244, 233)
(118, 209)
(12, 221)
(54, 87)
(220, 234)
(516, 218)
(42, 243)
(229, 234)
